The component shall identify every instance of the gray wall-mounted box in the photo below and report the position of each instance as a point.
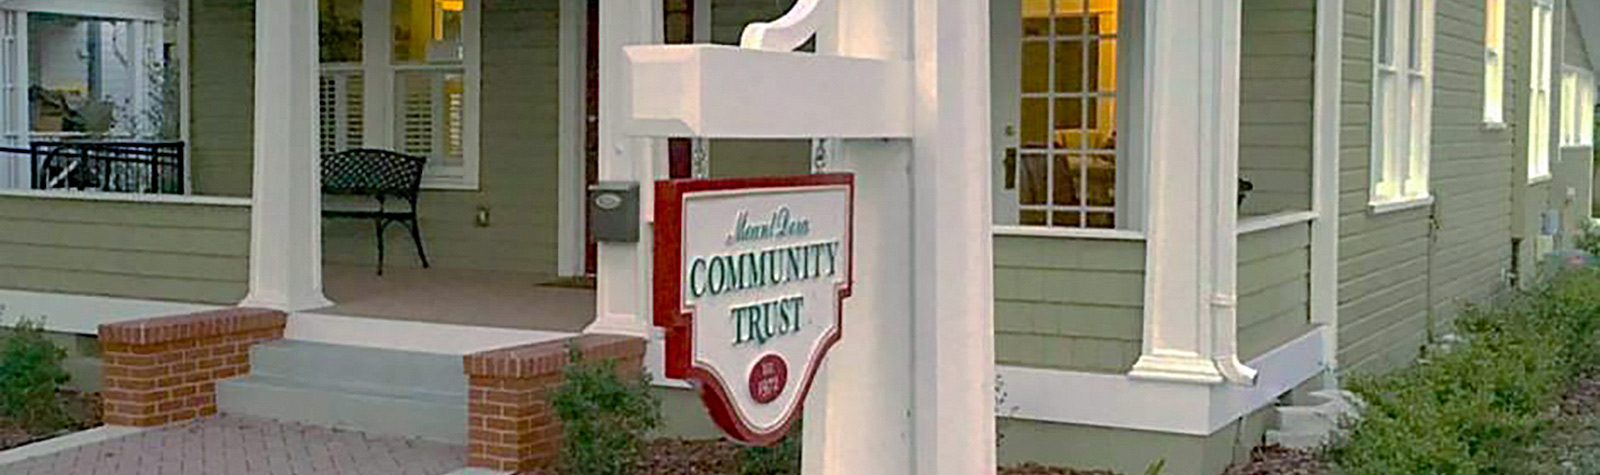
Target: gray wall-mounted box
(614, 211)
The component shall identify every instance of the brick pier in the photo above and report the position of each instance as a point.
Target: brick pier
(511, 425)
(164, 370)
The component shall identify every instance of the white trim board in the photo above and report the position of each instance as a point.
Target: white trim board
(127, 197)
(405, 335)
(1274, 221)
(1115, 400)
(83, 314)
(153, 10)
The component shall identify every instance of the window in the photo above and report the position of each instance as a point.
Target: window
(1577, 108)
(417, 96)
(1067, 170)
(100, 78)
(1539, 91)
(1402, 98)
(1494, 67)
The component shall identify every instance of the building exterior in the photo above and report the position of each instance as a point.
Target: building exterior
(1394, 160)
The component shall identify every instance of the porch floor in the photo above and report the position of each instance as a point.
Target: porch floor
(520, 300)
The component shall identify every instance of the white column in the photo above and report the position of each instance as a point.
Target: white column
(865, 383)
(1192, 86)
(952, 240)
(285, 218)
(624, 274)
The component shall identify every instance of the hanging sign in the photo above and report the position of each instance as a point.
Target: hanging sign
(750, 278)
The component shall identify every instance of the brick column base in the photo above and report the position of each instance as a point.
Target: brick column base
(164, 370)
(510, 424)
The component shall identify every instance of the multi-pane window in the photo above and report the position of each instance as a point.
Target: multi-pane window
(424, 98)
(1402, 97)
(1539, 90)
(1494, 66)
(1577, 108)
(1067, 171)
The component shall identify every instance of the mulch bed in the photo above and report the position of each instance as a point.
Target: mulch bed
(1279, 460)
(84, 408)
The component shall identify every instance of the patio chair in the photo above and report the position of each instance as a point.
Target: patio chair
(379, 175)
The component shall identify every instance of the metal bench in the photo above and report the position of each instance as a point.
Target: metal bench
(379, 175)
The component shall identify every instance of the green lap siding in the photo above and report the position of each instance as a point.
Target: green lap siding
(221, 92)
(1404, 274)
(159, 251)
(1068, 303)
(1278, 58)
(1274, 288)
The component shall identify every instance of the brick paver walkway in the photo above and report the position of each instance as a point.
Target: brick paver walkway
(234, 445)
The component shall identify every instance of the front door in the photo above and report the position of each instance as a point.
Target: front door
(1055, 83)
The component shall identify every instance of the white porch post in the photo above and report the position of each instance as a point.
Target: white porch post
(1192, 86)
(953, 306)
(623, 277)
(285, 218)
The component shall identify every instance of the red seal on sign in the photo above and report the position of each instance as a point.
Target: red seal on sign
(768, 378)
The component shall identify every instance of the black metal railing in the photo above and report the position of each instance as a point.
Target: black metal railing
(119, 166)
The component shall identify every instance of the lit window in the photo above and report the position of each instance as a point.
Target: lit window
(1539, 91)
(1403, 75)
(1577, 108)
(1494, 66)
(426, 87)
(1067, 170)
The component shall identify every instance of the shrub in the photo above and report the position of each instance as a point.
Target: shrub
(605, 417)
(1478, 407)
(30, 373)
(780, 459)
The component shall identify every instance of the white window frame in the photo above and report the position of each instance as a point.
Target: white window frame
(1402, 101)
(1577, 107)
(380, 106)
(1539, 83)
(1494, 66)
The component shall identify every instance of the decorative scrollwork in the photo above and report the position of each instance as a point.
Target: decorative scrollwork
(789, 31)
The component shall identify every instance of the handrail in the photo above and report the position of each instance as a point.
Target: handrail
(124, 166)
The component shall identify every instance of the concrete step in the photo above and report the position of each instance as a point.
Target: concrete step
(345, 365)
(388, 392)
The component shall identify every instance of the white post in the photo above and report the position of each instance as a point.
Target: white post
(1192, 82)
(285, 218)
(952, 240)
(623, 284)
(1325, 184)
(866, 383)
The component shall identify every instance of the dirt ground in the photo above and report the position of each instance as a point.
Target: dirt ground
(84, 408)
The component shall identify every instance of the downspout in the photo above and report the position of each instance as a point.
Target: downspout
(1224, 288)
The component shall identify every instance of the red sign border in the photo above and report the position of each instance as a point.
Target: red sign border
(678, 322)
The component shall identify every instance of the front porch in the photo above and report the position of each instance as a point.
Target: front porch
(484, 298)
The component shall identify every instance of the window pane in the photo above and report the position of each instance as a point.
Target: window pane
(339, 29)
(1033, 182)
(341, 110)
(431, 113)
(427, 31)
(84, 78)
(1101, 220)
(1414, 34)
(1102, 186)
(1035, 123)
(1071, 67)
(1035, 66)
(1068, 174)
(1385, 33)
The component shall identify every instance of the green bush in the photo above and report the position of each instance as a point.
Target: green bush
(30, 373)
(605, 417)
(780, 459)
(1478, 407)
